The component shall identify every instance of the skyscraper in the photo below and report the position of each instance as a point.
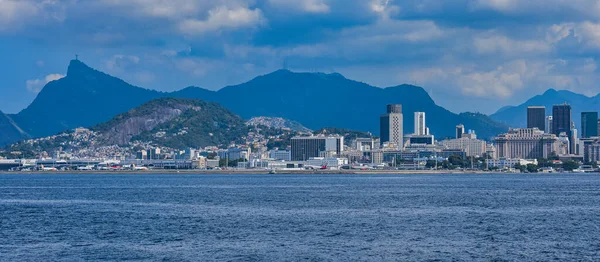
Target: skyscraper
(460, 130)
(561, 120)
(549, 125)
(420, 128)
(536, 116)
(391, 126)
(589, 124)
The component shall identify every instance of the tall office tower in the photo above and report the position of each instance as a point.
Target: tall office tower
(561, 120)
(420, 128)
(598, 126)
(391, 126)
(589, 124)
(574, 142)
(536, 116)
(460, 130)
(549, 125)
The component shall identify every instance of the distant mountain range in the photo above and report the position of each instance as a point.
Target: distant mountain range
(87, 97)
(516, 116)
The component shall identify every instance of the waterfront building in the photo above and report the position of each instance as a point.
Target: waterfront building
(366, 144)
(420, 128)
(141, 155)
(235, 153)
(591, 150)
(284, 155)
(526, 143)
(153, 153)
(589, 124)
(536, 117)
(460, 130)
(304, 148)
(391, 126)
(508, 163)
(471, 145)
(329, 162)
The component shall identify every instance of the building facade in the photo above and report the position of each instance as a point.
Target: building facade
(561, 119)
(281, 155)
(536, 117)
(549, 125)
(591, 150)
(472, 147)
(303, 148)
(420, 128)
(589, 124)
(391, 126)
(528, 143)
(460, 130)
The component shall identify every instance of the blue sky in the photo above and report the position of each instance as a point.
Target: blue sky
(470, 55)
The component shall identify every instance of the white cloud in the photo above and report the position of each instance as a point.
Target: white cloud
(118, 63)
(161, 8)
(311, 6)
(502, 44)
(223, 17)
(36, 85)
(13, 11)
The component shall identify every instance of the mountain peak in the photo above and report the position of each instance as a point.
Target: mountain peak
(77, 67)
(550, 91)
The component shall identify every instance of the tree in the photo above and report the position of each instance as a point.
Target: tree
(570, 165)
(431, 164)
(520, 167)
(544, 162)
(531, 168)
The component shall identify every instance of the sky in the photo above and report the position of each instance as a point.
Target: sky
(470, 55)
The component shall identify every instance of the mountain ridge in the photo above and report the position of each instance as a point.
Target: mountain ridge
(86, 97)
(516, 116)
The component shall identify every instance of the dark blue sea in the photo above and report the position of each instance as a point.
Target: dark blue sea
(57, 217)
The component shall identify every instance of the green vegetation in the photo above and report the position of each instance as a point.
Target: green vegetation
(570, 165)
(200, 124)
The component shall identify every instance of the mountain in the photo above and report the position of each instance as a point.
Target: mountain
(86, 97)
(278, 123)
(319, 100)
(9, 131)
(175, 123)
(517, 116)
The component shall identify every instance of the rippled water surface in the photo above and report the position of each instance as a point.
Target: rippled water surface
(300, 217)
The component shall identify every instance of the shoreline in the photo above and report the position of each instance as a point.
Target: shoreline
(268, 172)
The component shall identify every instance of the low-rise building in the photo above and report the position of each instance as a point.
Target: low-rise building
(471, 146)
(508, 163)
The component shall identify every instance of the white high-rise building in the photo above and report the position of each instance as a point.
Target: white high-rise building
(420, 128)
(391, 126)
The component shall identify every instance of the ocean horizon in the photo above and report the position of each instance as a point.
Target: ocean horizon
(245, 217)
